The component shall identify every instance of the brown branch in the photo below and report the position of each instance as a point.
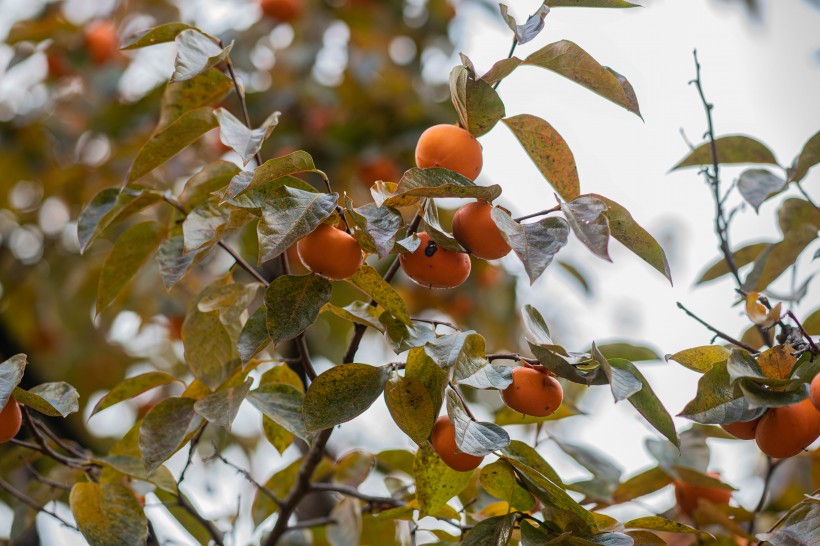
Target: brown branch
(31, 503)
(247, 475)
(463, 400)
(42, 479)
(194, 442)
(240, 93)
(308, 523)
(43, 447)
(353, 492)
(815, 350)
(539, 213)
(717, 332)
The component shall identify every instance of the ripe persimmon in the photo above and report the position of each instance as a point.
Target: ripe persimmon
(378, 168)
(443, 440)
(688, 494)
(786, 431)
(449, 147)
(533, 392)
(744, 430)
(330, 252)
(814, 391)
(435, 267)
(282, 10)
(475, 230)
(102, 41)
(11, 418)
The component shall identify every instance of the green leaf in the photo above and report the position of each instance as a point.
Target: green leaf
(777, 258)
(293, 303)
(536, 326)
(347, 529)
(700, 359)
(133, 386)
(276, 434)
(56, 399)
(535, 244)
(571, 61)
(403, 337)
(170, 140)
(369, 281)
(196, 53)
(353, 468)
(288, 215)
(629, 92)
(271, 170)
(799, 528)
(241, 139)
(489, 377)
(628, 351)
(812, 323)
(172, 260)
(586, 217)
(221, 407)
(463, 351)
(209, 223)
(494, 531)
(657, 523)
(133, 467)
(341, 394)
(621, 381)
(527, 455)
(416, 184)
(742, 256)
(378, 226)
(358, 312)
(282, 404)
(549, 151)
(11, 373)
(797, 214)
(642, 484)
(808, 158)
(757, 185)
(759, 396)
(530, 29)
(591, 4)
(730, 149)
(436, 483)
(110, 206)
(410, 406)
(474, 437)
(626, 230)
(433, 228)
(108, 514)
(498, 479)
(165, 429)
(508, 416)
(597, 463)
(477, 104)
(156, 35)
(717, 400)
(254, 335)
(193, 526)
(212, 177)
(423, 369)
(205, 89)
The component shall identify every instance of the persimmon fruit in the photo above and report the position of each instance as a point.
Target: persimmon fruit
(688, 494)
(814, 391)
(476, 231)
(533, 392)
(284, 11)
(744, 430)
(330, 252)
(11, 418)
(786, 431)
(435, 267)
(443, 439)
(102, 42)
(449, 147)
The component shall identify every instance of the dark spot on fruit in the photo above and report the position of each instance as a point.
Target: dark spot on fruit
(430, 249)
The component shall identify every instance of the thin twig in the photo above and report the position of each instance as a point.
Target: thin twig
(42, 479)
(247, 475)
(308, 523)
(240, 93)
(717, 332)
(31, 503)
(190, 459)
(216, 535)
(539, 213)
(463, 400)
(806, 195)
(45, 448)
(512, 356)
(353, 492)
(770, 468)
(815, 350)
(509, 56)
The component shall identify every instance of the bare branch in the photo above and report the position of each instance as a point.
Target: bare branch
(717, 332)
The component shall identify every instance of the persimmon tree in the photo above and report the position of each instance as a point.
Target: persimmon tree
(314, 266)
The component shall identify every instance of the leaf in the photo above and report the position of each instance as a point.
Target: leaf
(56, 399)
(629, 92)
(757, 185)
(11, 373)
(549, 151)
(254, 335)
(759, 396)
(627, 231)
(628, 351)
(717, 401)
(156, 35)
(237, 136)
(170, 140)
(403, 337)
(730, 149)
(196, 52)
(193, 526)
(165, 429)
(172, 260)
(808, 158)
(293, 303)
(270, 171)
(221, 407)
(341, 394)
(642, 484)
(536, 243)
(358, 312)
(108, 514)
(586, 217)
(657, 523)
(288, 215)
(205, 89)
(508, 416)
(281, 403)
(530, 29)
(797, 214)
(436, 483)
(410, 406)
(494, 531)
(353, 468)
(621, 381)
(347, 529)
(378, 227)
(777, 362)
(212, 177)
(527, 455)
(571, 61)
(489, 377)
(463, 351)
(777, 258)
(758, 313)
(419, 183)
(536, 326)
(597, 463)
(478, 106)
(591, 4)
(369, 281)
(799, 528)
(133, 386)
(108, 207)
(700, 359)
(577, 275)
(209, 223)
(433, 228)
(742, 256)
(473, 437)
(498, 479)
(423, 369)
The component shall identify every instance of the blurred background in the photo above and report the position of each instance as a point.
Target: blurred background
(357, 81)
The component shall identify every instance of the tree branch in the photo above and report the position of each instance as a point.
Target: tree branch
(247, 475)
(213, 530)
(539, 213)
(31, 503)
(717, 332)
(353, 492)
(770, 468)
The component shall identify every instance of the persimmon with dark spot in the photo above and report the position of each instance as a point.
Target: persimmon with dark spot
(787, 430)
(330, 252)
(744, 430)
(11, 419)
(688, 495)
(443, 440)
(449, 147)
(435, 267)
(533, 392)
(476, 231)
(283, 11)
